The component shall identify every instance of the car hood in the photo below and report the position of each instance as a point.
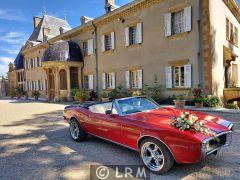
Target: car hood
(162, 117)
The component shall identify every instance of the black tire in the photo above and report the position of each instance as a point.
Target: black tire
(167, 161)
(81, 135)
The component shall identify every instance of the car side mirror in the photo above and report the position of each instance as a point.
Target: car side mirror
(108, 112)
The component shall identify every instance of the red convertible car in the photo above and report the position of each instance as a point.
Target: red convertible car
(142, 125)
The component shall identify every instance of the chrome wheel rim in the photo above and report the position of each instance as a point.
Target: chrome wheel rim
(152, 156)
(74, 129)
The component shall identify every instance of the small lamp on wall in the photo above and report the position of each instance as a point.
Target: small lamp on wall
(121, 19)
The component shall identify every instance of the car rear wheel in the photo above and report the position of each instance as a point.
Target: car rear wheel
(76, 131)
(156, 156)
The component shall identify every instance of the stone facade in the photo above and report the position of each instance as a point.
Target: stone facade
(177, 43)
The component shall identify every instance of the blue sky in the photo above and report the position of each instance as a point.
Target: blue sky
(16, 20)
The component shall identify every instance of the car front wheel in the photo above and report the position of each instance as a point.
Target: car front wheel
(77, 132)
(156, 156)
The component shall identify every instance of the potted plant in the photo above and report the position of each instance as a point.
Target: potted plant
(198, 102)
(73, 92)
(80, 95)
(197, 94)
(35, 95)
(180, 102)
(104, 97)
(25, 94)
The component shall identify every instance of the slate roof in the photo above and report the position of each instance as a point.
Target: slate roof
(18, 62)
(48, 22)
(37, 36)
(63, 51)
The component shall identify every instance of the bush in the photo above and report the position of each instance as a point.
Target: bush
(36, 94)
(104, 95)
(93, 96)
(119, 92)
(12, 93)
(155, 92)
(232, 106)
(212, 101)
(74, 91)
(81, 95)
(197, 93)
(180, 97)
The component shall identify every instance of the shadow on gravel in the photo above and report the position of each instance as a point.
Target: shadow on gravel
(45, 150)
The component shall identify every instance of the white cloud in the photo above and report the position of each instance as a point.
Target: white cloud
(4, 61)
(13, 38)
(12, 15)
(10, 51)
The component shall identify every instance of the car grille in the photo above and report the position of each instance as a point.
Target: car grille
(222, 139)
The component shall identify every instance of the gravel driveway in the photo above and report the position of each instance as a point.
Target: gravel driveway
(35, 144)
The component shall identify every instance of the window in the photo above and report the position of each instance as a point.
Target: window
(134, 79)
(231, 33)
(86, 86)
(39, 85)
(178, 74)
(31, 64)
(88, 82)
(63, 79)
(235, 36)
(107, 42)
(108, 80)
(178, 22)
(85, 48)
(88, 47)
(132, 35)
(38, 62)
(227, 29)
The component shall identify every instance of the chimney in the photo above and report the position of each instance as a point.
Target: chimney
(110, 5)
(46, 33)
(63, 30)
(85, 19)
(36, 21)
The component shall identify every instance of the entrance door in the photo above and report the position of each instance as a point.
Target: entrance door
(51, 87)
(74, 77)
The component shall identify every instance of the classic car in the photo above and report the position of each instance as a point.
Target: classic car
(141, 124)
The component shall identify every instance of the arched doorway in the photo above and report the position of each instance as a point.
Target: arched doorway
(74, 77)
(51, 85)
(63, 79)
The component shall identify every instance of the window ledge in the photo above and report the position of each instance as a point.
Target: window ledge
(231, 42)
(178, 36)
(178, 89)
(109, 51)
(134, 45)
(87, 56)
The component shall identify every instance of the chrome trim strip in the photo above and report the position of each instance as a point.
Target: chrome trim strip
(212, 151)
(113, 142)
(210, 138)
(230, 126)
(159, 140)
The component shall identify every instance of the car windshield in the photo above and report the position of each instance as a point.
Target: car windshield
(138, 104)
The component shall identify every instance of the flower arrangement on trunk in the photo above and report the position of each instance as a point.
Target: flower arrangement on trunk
(187, 121)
